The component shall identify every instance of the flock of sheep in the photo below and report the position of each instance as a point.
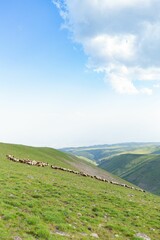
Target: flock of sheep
(96, 177)
(43, 164)
(27, 161)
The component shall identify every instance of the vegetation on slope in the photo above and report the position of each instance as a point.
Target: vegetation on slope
(101, 152)
(43, 203)
(142, 170)
(138, 163)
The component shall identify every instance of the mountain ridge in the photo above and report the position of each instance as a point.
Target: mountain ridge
(138, 163)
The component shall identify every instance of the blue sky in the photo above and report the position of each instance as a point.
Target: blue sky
(79, 72)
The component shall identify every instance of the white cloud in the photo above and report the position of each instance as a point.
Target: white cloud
(151, 30)
(122, 78)
(120, 37)
(156, 85)
(105, 47)
(147, 74)
(147, 91)
(122, 85)
(119, 3)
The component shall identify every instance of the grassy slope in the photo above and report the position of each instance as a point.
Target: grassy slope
(138, 163)
(101, 152)
(53, 157)
(38, 202)
(94, 153)
(140, 169)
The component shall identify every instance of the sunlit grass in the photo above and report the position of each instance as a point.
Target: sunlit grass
(42, 203)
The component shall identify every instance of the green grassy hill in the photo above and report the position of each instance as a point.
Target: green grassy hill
(138, 163)
(99, 153)
(142, 170)
(43, 203)
(53, 156)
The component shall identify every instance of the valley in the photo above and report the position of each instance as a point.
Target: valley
(138, 163)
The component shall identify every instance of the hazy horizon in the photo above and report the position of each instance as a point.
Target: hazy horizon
(83, 146)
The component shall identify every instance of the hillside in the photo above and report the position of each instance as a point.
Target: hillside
(142, 170)
(100, 152)
(53, 156)
(138, 163)
(44, 203)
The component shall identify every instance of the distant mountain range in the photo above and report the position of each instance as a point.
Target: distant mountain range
(138, 163)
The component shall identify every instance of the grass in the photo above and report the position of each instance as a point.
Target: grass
(138, 163)
(42, 203)
(101, 152)
(139, 169)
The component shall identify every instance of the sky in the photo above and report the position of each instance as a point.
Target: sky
(77, 73)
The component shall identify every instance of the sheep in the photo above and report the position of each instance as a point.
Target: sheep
(43, 164)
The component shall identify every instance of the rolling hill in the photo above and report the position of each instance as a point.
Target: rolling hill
(53, 156)
(142, 170)
(45, 203)
(98, 153)
(138, 163)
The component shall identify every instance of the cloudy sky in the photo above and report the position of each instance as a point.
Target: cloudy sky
(79, 72)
